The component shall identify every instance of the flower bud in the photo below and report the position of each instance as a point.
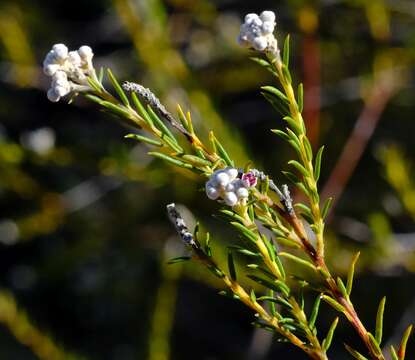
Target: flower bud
(52, 95)
(230, 199)
(60, 51)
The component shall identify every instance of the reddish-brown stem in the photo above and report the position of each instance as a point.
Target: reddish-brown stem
(358, 140)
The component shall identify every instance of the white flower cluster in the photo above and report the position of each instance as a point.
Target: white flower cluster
(225, 184)
(257, 31)
(68, 69)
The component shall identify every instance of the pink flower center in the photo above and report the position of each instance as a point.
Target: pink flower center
(249, 179)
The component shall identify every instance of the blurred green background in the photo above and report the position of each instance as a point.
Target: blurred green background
(83, 233)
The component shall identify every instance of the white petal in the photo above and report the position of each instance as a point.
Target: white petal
(53, 96)
(230, 199)
(60, 75)
(267, 16)
(268, 27)
(242, 193)
(232, 172)
(249, 18)
(230, 187)
(62, 90)
(60, 51)
(222, 178)
(74, 58)
(212, 193)
(260, 43)
(51, 69)
(85, 52)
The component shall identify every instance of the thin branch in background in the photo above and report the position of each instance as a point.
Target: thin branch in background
(18, 323)
(381, 93)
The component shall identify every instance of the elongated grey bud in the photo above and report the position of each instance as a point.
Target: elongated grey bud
(180, 225)
(147, 96)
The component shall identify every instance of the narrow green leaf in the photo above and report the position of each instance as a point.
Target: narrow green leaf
(250, 235)
(252, 295)
(287, 74)
(298, 260)
(280, 266)
(208, 249)
(143, 139)
(327, 341)
(317, 163)
(160, 124)
(260, 61)
(118, 88)
(379, 321)
(101, 75)
(300, 97)
(299, 167)
(292, 177)
(231, 267)
(314, 312)
(272, 306)
(326, 207)
(251, 213)
(252, 266)
(393, 353)
(281, 134)
(171, 160)
(355, 353)
(305, 210)
(271, 250)
(94, 84)
(350, 275)
(222, 152)
(404, 341)
(293, 124)
(94, 98)
(333, 303)
(245, 252)
(116, 109)
(276, 300)
(182, 117)
(141, 110)
(274, 91)
(277, 285)
(261, 325)
(232, 215)
(308, 148)
(342, 288)
(374, 344)
(277, 105)
(196, 160)
(217, 272)
(286, 51)
(178, 259)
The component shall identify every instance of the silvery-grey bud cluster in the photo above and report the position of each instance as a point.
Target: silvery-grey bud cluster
(257, 31)
(225, 184)
(69, 70)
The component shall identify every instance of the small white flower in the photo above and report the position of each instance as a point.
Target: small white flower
(74, 58)
(60, 51)
(222, 178)
(226, 184)
(242, 192)
(230, 198)
(85, 52)
(69, 70)
(267, 15)
(257, 32)
(52, 95)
